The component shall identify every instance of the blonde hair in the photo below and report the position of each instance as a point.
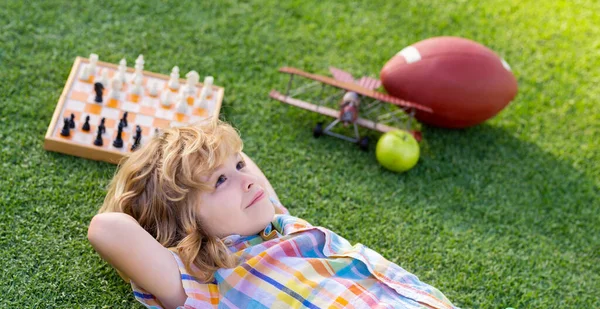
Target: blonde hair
(159, 185)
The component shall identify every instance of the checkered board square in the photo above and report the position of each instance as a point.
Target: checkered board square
(144, 110)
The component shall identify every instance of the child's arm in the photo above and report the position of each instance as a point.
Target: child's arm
(122, 242)
(256, 171)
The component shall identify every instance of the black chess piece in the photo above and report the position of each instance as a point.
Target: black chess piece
(124, 120)
(118, 142)
(137, 138)
(66, 128)
(98, 88)
(98, 141)
(136, 142)
(101, 127)
(72, 121)
(86, 125)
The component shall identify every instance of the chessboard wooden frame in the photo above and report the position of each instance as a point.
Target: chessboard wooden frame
(90, 151)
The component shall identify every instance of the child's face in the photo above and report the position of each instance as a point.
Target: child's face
(239, 204)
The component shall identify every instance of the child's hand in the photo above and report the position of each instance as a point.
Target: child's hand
(123, 243)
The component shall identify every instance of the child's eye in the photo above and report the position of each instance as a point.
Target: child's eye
(220, 181)
(240, 165)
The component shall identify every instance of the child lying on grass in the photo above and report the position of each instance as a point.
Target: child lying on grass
(192, 222)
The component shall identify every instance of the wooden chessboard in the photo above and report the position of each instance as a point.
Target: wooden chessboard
(144, 110)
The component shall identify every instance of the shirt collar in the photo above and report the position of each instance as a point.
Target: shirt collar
(266, 233)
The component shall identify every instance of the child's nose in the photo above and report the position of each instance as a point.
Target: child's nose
(248, 183)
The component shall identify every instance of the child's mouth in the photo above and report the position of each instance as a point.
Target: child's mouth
(259, 195)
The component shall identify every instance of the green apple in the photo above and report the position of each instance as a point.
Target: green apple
(397, 151)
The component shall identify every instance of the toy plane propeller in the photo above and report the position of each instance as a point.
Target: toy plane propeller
(373, 111)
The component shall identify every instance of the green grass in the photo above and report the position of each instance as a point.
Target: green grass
(504, 214)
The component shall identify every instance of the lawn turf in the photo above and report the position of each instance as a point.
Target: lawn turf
(504, 214)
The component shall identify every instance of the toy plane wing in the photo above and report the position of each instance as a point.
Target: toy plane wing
(369, 124)
(351, 86)
(365, 82)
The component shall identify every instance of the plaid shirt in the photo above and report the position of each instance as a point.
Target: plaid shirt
(292, 264)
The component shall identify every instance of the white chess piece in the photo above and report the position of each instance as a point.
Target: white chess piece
(165, 99)
(182, 105)
(205, 93)
(139, 68)
(115, 84)
(93, 62)
(199, 103)
(174, 81)
(208, 82)
(115, 88)
(153, 90)
(190, 86)
(140, 61)
(85, 72)
(121, 70)
(137, 86)
(202, 102)
(104, 79)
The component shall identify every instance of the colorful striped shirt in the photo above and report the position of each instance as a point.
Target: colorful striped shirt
(292, 264)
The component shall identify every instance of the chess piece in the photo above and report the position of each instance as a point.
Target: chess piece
(138, 130)
(66, 128)
(174, 81)
(189, 89)
(124, 120)
(201, 103)
(121, 71)
(93, 62)
(208, 83)
(203, 99)
(98, 88)
(205, 93)
(86, 125)
(85, 73)
(104, 79)
(116, 86)
(182, 104)
(72, 121)
(118, 142)
(139, 68)
(98, 141)
(153, 90)
(166, 98)
(101, 127)
(137, 138)
(136, 143)
(137, 85)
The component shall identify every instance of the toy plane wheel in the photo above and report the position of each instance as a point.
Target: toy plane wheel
(318, 130)
(363, 143)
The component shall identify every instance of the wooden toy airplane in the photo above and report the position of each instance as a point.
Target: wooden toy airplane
(352, 91)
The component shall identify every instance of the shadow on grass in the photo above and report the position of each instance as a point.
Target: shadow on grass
(482, 177)
(507, 214)
(485, 176)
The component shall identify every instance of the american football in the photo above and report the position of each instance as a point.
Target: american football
(464, 82)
